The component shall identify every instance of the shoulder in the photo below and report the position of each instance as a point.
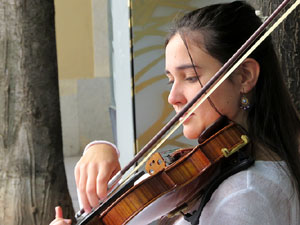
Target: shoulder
(266, 178)
(263, 194)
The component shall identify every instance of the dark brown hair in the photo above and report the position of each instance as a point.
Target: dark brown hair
(273, 120)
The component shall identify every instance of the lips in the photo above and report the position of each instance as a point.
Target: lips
(186, 121)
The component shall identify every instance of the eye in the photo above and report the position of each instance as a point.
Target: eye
(192, 79)
(170, 81)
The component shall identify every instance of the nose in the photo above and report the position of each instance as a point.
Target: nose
(176, 95)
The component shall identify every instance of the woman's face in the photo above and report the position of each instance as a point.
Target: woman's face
(185, 86)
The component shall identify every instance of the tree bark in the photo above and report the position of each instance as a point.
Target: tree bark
(32, 174)
(286, 42)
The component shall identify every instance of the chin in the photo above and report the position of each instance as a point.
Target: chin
(190, 133)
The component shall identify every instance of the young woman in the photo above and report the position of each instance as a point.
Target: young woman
(254, 96)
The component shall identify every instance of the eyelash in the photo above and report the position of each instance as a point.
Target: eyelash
(170, 81)
(189, 79)
(192, 79)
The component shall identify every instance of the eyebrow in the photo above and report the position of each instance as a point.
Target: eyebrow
(183, 67)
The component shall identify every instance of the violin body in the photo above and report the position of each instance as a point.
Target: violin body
(196, 165)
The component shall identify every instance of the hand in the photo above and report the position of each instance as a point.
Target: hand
(92, 173)
(59, 220)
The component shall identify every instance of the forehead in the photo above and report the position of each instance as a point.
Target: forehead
(178, 53)
(175, 48)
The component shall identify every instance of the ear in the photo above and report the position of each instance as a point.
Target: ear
(249, 71)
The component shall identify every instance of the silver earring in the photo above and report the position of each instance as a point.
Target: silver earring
(244, 103)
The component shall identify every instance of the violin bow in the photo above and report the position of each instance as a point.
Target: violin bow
(205, 92)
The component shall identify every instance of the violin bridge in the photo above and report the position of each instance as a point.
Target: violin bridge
(155, 164)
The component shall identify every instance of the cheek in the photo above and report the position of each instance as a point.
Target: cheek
(192, 90)
(204, 116)
(227, 99)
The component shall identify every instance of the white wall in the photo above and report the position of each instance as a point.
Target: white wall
(122, 79)
(83, 48)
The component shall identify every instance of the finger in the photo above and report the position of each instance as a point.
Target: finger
(112, 175)
(118, 168)
(58, 212)
(82, 190)
(60, 221)
(77, 174)
(91, 185)
(55, 222)
(105, 173)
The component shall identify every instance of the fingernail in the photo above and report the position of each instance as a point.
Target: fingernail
(88, 210)
(68, 221)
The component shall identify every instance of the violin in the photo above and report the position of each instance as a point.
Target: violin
(225, 145)
(185, 166)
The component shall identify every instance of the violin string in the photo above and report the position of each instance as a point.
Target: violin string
(212, 89)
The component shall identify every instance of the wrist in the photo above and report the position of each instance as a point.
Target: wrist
(101, 142)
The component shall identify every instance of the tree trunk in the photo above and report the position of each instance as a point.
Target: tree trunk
(32, 174)
(286, 37)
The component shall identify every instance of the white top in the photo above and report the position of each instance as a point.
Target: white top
(263, 194)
